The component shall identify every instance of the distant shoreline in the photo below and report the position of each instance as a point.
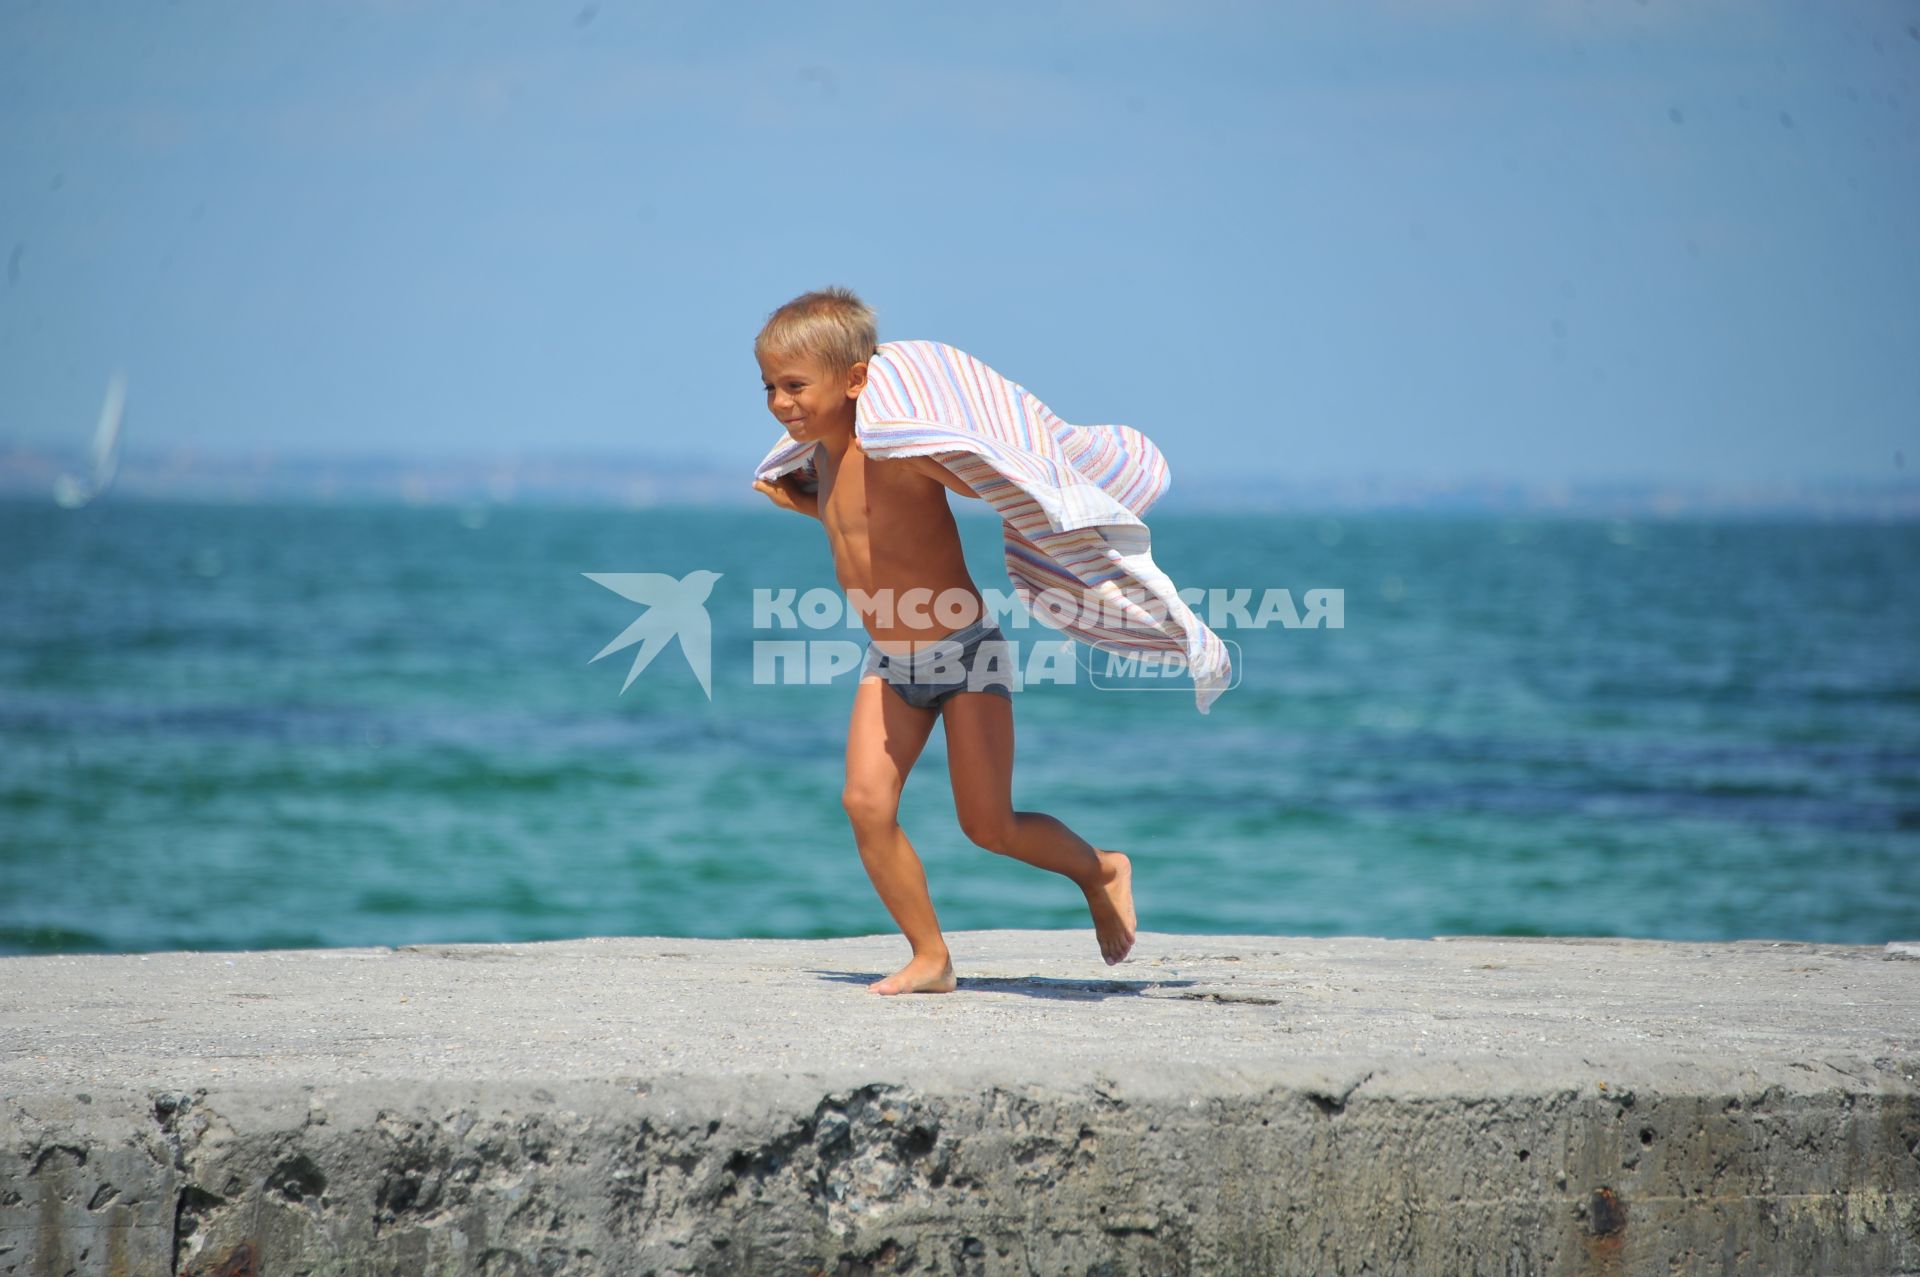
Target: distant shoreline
(633, 481)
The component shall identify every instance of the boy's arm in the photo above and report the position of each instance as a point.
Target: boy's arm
(940, 474)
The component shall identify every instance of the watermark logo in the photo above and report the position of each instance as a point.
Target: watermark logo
(676, 608)
(1119, 669)
(821, 608)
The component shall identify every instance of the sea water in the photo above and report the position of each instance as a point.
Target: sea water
(227, 726)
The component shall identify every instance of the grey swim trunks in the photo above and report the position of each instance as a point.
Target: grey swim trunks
(975, 658)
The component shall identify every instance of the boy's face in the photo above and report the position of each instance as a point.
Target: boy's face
(811, 400)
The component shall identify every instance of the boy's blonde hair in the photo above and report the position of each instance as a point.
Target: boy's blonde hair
(830, 324)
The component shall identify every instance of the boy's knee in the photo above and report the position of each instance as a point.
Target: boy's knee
(870, 805)
(990, 833)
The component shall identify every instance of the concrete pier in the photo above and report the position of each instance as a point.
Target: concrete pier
(1215, 1105)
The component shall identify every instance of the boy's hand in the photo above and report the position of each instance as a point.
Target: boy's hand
(785, 492)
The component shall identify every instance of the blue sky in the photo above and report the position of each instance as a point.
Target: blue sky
(1425, 238)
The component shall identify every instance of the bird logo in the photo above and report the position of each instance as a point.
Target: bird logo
(676, 607)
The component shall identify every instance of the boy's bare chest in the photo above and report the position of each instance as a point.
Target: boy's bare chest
(851, 502)
(864, 501)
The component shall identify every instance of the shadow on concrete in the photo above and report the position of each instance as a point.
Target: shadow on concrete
(1037, 986)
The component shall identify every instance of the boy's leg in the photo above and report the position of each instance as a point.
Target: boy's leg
(884, 738)
(980, 763)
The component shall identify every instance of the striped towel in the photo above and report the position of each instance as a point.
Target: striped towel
(1070, 498)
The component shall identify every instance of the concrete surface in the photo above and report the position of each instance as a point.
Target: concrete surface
(1216, 1104)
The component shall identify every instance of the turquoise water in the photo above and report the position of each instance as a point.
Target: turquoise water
(247, 727)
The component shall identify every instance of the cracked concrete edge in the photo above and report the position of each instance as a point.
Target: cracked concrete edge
(1467, 1080)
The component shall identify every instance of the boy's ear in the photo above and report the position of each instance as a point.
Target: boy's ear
(856, 380)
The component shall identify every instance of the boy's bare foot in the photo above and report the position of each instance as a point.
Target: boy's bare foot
(921, 975)
(1111, 904)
